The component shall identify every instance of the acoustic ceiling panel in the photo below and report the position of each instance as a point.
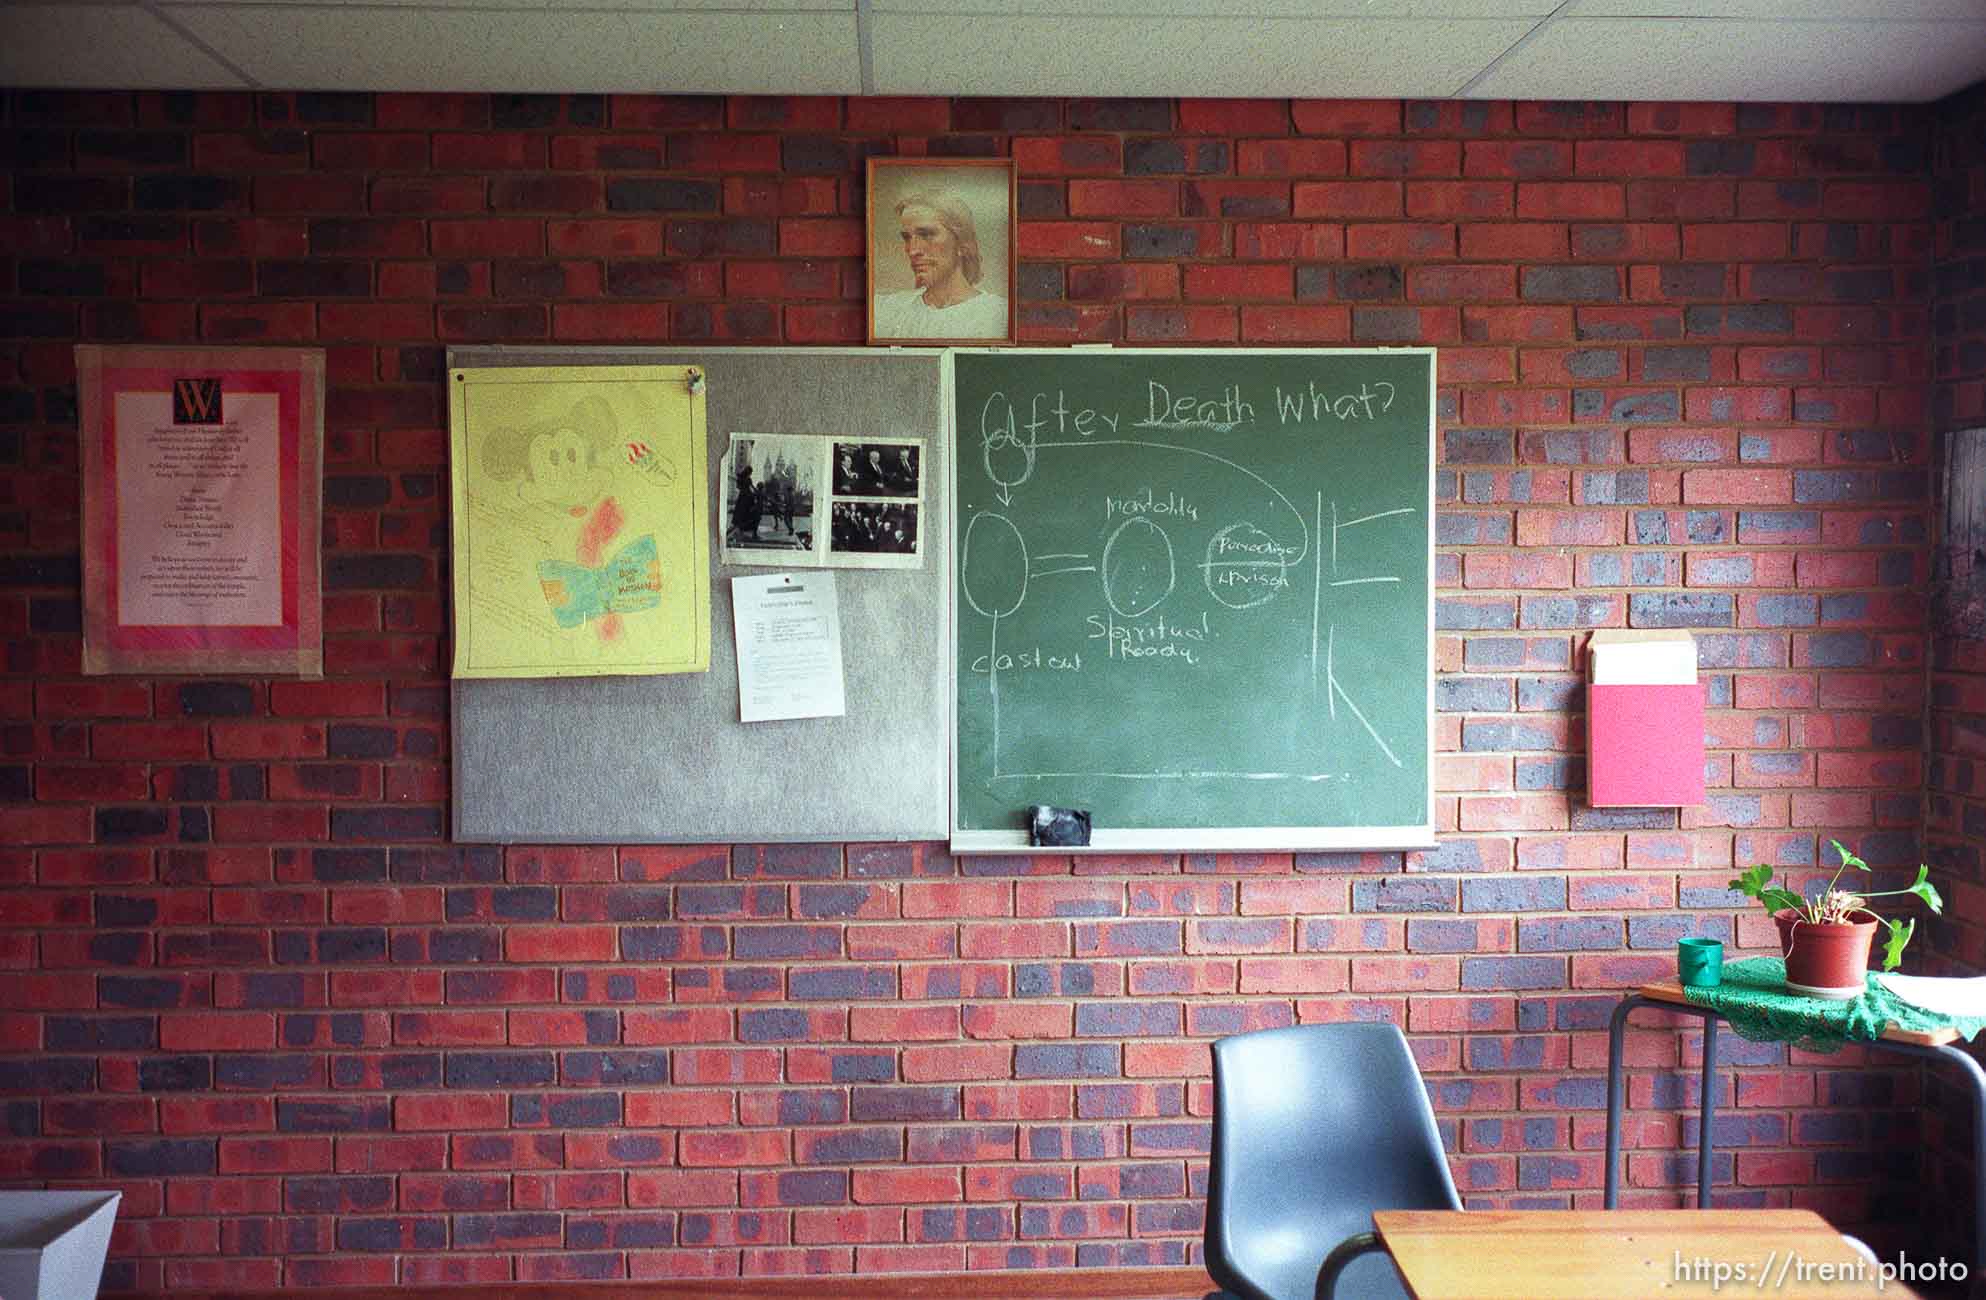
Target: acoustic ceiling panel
(1654, 58)
(624, 51)
(91, 45)
(936, 54)
(1896, 11)
(1240, 10)
(567, 9)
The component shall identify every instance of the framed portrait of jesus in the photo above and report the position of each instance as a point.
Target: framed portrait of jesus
(941, 250)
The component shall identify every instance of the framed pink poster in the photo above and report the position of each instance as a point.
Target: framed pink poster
(202, 491)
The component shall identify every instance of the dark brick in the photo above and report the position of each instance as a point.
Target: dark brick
(1706, 609)
(174, 1074)
(377, 572)
(1404, 894)
(631, 194)
(193, 193)
(1149, 240)
(370, 1116)
(123, 825)
(316, 278)
(1514, 894)
(614, 1069)
(498, 1069)
(64, 279)
(1571, 284)
(392, 1234)
(1120, 115)
(161, 1158)
(1058, 1061)
(903, 1104)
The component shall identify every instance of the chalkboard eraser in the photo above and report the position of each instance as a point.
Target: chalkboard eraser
(1050, 827)
(1091, 347)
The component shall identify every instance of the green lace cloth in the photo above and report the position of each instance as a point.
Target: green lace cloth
(1754, 999)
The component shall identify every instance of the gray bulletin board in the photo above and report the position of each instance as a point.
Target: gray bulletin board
(665, 759)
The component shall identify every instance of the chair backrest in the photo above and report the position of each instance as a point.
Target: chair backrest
(1315, 1127)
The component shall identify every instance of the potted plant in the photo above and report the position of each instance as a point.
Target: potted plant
(1825, 939)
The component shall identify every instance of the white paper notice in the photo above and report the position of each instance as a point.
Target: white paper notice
(199, 523)
(788, 629)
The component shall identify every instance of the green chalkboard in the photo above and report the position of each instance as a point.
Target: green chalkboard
(1193, 595)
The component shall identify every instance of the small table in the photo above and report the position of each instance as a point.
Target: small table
(1668, 995)
(1625, 1255)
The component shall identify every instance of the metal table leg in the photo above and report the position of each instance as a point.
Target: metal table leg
(1975, 1075)
(1706, 1112)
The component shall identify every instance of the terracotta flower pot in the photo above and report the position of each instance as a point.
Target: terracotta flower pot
(1826, 961)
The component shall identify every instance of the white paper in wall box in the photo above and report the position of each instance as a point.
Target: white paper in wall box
(1657, 657)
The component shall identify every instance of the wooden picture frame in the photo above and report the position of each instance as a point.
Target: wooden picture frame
(202, 501)
(941, 228)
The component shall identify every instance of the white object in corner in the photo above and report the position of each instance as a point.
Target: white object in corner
(1946, 997)
(52, 1244)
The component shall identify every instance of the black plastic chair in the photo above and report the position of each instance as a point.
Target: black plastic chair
(1316, 1127)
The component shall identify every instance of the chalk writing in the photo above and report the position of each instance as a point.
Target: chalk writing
(1130, 565)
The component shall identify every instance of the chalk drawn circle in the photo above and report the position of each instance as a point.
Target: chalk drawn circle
(1008, 460)
(999, 591)
(1138, 569)
(1245, 567)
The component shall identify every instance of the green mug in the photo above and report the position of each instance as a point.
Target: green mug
(1700, 963)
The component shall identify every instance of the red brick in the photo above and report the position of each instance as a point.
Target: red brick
(1460, 200)
(1290, 157)
(1233, 116)
(1342, 199)
(604, 236)
(1297, 324)
(1068, 155)
(1577, 200)
(1289, 239)
(489, 151)
(1346, 117)
(821, 237)
(1628, 158)
(1231, 283)
(1738, 487)
(308, 193)
(493, 237)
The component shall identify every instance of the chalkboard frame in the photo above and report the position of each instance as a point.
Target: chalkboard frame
(1107, 840)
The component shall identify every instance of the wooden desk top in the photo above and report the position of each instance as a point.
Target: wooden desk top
(1624, 1255)
(1671, 991)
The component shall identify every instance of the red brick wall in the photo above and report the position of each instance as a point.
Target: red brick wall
(1686, 361)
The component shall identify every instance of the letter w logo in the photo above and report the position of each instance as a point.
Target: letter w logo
(196, 401)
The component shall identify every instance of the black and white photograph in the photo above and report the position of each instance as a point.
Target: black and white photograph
(807, 501)
(770, 494)
(875, 528)
(877, 469)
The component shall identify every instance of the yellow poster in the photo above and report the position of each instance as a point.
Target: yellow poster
(581, 540)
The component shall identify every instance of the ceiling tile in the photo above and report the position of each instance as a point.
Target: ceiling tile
(389, 48)
(1811, 10)
(939, 54)
(1240, 10)
(1699, 59)
(93, 45)
(565, 8)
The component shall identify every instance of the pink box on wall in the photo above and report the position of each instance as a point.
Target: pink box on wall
(1644, 720)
